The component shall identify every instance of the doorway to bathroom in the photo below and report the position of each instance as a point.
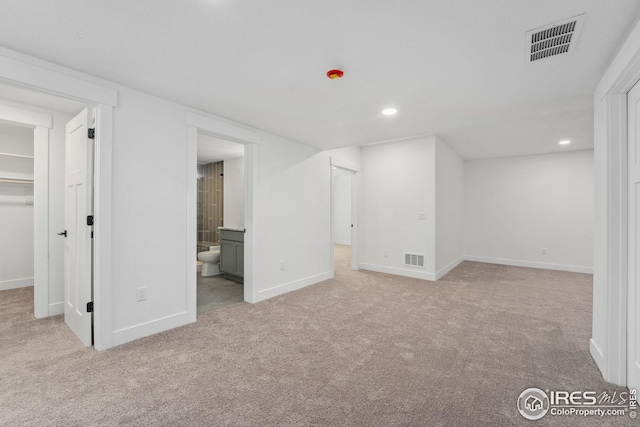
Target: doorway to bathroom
(220, 222)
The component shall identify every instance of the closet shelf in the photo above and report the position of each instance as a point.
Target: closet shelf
(16, 155)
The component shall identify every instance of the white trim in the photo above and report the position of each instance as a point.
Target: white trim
(224, 129)
(292, 286)
(56, 308)
(16, 283)
(192, 223)
(355, 244)
(102, 260)
(448, 268)
(355, 216)
(21, 73)
(332, 242)
(41, 267)
(596, 354)
(530, 264)
(196, 122)
(399, 271)
(131, 333)
(251, 152)
(344, 164)
(25, 117)
(617, 238)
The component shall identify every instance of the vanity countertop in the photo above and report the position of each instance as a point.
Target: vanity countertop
(232, 228)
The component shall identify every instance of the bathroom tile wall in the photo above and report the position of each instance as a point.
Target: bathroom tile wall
(210, 187)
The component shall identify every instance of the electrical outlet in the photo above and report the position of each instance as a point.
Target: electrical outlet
(386, 254)
(141, 293)
(544, 251)
(422, 215)
(281, 265)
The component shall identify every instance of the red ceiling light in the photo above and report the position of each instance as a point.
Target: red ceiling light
(335, 74)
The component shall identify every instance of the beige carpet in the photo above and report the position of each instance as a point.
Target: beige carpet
(364, 349)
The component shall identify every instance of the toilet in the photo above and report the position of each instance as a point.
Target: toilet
(210, 261)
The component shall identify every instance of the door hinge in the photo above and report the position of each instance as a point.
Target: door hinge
(90, 307)
(90, 220)
(91, 133)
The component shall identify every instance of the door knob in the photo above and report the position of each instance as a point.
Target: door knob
(63, 233)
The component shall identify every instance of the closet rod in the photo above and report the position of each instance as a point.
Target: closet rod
(15, 181)
(16, 155)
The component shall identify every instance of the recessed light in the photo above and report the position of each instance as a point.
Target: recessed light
(564, 142)
(389, 111)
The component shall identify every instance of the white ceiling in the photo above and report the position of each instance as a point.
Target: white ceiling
(536, 132)
(212, 149)
(450, 67)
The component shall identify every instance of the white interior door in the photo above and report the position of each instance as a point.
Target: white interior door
(633, 309)
(78, 206)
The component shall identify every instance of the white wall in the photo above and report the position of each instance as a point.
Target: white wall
(342, 208)
(449, 208)
(149, 211)
(149, 175)
(16, 209)
(516, 206)
(233, 193)
(293, 207)
(398, 183)
(150, 180)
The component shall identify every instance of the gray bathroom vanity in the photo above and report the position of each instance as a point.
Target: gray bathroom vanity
(232, 253)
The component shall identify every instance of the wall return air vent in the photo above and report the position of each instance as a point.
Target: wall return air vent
(552, 40)
(414, 260)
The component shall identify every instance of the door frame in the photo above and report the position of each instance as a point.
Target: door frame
(355, 215)
(631, 242)
(34, 74)
(41, 124)
(611, 95)
(201, 123)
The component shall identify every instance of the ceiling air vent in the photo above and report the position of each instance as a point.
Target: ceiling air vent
(552, 40)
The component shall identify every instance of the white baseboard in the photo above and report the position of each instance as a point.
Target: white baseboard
(56, 308)
(449, 267)
(530, 264)
(597, 355)
(416, 274)
(342, 243)
(292, 286)
(16, 283)
(142, 330)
